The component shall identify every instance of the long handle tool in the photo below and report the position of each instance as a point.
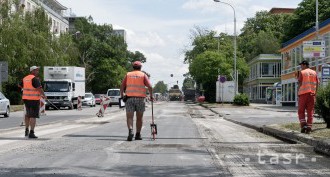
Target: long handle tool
(153, 126)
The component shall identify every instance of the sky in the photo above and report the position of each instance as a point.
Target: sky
(161, 29)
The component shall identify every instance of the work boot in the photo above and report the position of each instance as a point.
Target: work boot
(26, 132)
(32, 135)
(303, 129)
(138, 136)
(308, 130)
(130, 135)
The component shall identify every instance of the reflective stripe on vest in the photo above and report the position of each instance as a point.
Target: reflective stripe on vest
(135, 84)
(29, 92)
(309, 82)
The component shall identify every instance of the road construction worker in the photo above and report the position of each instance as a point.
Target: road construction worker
(308, 83)
(134, 85)
(32, 92)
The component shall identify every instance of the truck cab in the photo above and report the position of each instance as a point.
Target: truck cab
(63, 86)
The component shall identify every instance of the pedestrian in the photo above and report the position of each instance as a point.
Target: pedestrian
(32, 92)
(308, 83)
(134, 85)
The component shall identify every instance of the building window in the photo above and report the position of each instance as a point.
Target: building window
(284, 92)
(263, 92)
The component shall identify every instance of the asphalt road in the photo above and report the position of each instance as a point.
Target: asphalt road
(15, 119)
(191, 141)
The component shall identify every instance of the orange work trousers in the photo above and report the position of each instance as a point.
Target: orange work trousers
(306, 103)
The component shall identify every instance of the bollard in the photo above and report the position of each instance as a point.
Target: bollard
(42, 107)
(79, 106)
(104, 104)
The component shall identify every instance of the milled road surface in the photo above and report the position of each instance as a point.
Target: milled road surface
(191, 141)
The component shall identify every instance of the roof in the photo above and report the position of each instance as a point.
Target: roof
(280, 10)
(55, 4)
(307, 32)
(265, 57)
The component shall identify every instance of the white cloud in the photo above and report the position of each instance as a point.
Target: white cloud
(203, 6)
(147, 39)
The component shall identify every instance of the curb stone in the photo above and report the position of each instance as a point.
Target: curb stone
(320, 146)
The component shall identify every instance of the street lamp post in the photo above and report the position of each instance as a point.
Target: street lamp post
(235, 45)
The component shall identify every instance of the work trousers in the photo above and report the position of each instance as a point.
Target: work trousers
(306, 102)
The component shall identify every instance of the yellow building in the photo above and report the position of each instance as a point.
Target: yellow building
(292, 55)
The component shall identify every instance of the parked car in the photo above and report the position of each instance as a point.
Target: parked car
(4, 106)
(98, 98)
(114, 95)
(89, 100)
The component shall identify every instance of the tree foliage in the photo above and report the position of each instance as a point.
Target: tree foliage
(104, 55)
(25, 41)
(160, 87)
(304, 17)
(322, 106)
(262, 34)
(210, 56)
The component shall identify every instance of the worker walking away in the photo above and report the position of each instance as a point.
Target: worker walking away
(32, 92)
(134, 85)
(308, 83)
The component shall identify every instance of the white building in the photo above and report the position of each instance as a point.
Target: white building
(55, 12)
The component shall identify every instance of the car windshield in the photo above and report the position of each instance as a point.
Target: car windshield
(88, 95)
(98, 95)
(56, 87)
(113, 93)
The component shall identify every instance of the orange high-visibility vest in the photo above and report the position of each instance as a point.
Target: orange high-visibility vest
(309, 81)
(29, 92)
(135, 84)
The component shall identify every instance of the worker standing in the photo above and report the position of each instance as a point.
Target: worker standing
(308, 83)
(134, 85)
(32, 92)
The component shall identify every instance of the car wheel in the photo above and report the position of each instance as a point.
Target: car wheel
(7, 112)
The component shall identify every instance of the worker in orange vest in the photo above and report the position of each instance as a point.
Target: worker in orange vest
(308, 83)
(32, 92)
(134, 85)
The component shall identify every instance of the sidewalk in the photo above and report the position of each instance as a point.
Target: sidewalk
(272, 107)
(267, 120)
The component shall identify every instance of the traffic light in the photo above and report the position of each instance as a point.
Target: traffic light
(177, 82)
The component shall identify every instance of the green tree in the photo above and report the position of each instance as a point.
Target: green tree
(104, 55)
(262, 34)
(304, 17)
(160, 87)
(211, 56)
(25, 41)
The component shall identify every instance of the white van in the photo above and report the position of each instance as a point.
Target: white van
(114, 95)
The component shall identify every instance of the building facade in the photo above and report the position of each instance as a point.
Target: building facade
(54, 11)
(265, 71)
(292, 55)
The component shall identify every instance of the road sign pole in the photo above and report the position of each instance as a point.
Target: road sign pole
(0, 78)
(222, 93)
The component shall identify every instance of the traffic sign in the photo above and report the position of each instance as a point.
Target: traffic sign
(325, 71)
(222, 79)
(3, 71)
(325, 74)
(313, 49)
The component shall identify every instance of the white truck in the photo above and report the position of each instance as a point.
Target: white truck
(63, 85)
